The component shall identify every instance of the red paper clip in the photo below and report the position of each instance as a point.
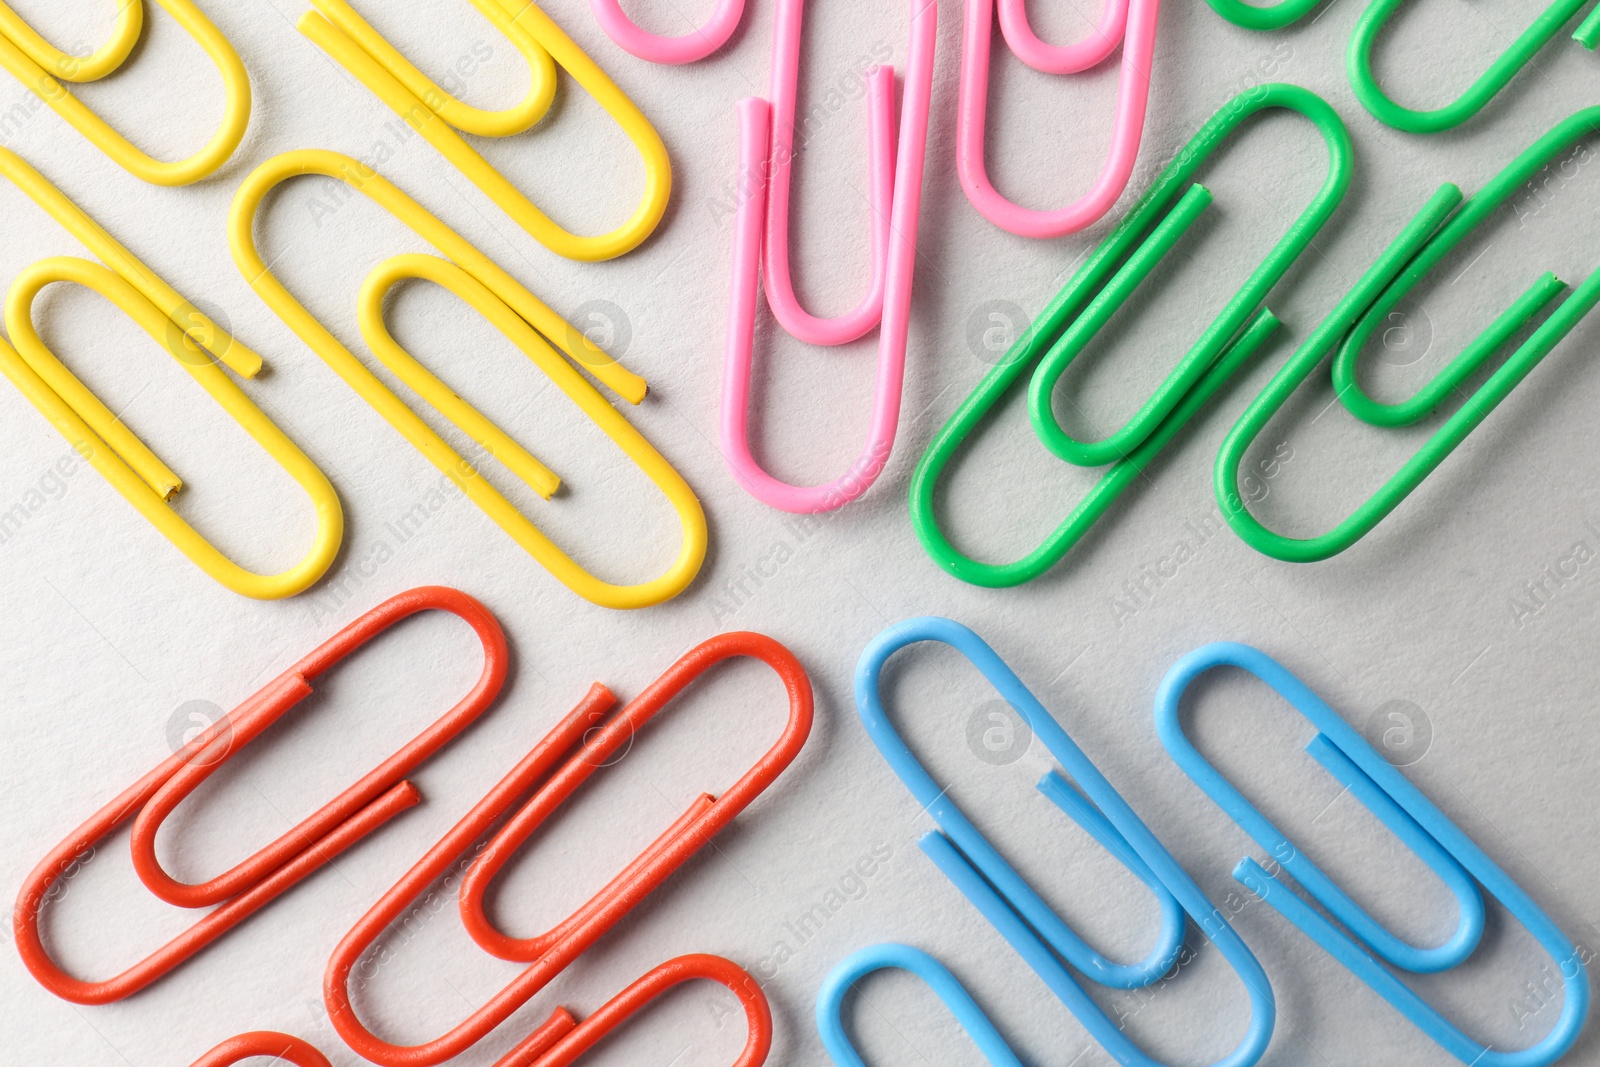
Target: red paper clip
(561, 1040)
(266, 1043)
(561, 770)
(349, 817)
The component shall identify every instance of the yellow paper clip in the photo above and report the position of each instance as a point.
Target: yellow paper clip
(338, 30)
(193, 340)
(525, 321)
(42, 67)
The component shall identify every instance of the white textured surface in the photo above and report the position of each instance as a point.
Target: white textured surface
(107, 631)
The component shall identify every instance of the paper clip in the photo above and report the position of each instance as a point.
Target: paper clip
(338, 30)
(1087, 302)
(42, 68)
(525, 320)
(766, 149)
(1130, 22)
(1263, 16)
(379, 796)
(974, 1022)
(1072, 58)
(690, 47)
(561, 1039)
(557, 771)
(96, 433)
(1421, 826)
(1101, 287)
(1437, 229)
(1521, 51)
(280, 1048)
(1024, 919)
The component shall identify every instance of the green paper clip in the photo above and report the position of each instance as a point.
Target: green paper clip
(1437, 229)
(1358, 61)
(1089, 299)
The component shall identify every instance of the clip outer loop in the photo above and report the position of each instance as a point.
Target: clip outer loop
(1364, 37)
(195, 341)
(689, 47)
(280, 1048)
(26, 55)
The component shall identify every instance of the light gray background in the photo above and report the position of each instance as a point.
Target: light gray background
(107, 632)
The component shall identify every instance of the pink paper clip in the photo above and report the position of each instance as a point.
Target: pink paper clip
(1071, 58)
(1133, 23)
(690, 47)
(766, 149)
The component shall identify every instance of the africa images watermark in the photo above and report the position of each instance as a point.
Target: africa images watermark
(1547, 990)
(50, 486)
(1233, 905)
(1541, 190)
(396, 132)
(46, 89)
(338, 591)
(1558, 578)
(1140, 592)
(405, 928)
(997, 734)
(1265, 68)
(798, 530)
(801, 927)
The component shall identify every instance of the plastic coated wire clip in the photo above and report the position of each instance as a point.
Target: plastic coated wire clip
(689, 47)
(1131, 23)
(542, 335)
(42, 67)
(239, 892)
(553, 770)
(562, 1039)
(1024, 919)
(268, 1044)
(1087, 303)
(1370, 25)
(338, 30)
(1273, 16)
(1419, 825)
(766, 152)
(1473, 100)
(1442, 224)
(968, 1013)
(198, 344)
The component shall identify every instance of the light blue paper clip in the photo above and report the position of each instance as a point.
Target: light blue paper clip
(853, 968)
(1009, 903)
(1414, 819)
